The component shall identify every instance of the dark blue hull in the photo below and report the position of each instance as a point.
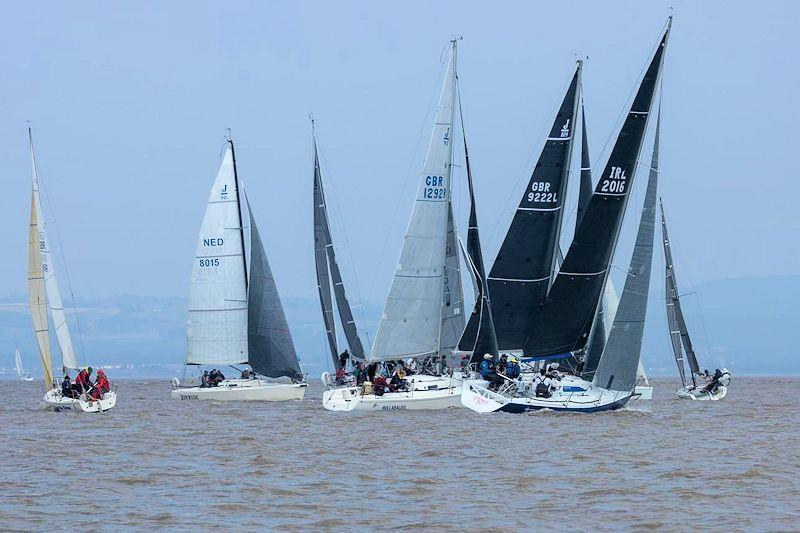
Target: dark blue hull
(520, 408)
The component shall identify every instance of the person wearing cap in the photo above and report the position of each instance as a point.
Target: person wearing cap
(66, 388)
(101, 386)
(489, 373)
(512, 368)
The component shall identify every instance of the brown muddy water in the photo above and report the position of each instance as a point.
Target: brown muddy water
(156, 462)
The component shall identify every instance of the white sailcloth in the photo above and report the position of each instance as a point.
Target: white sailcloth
(217, 329)
(411, 322)
(37, 300)
(50, 283)
(18, 363)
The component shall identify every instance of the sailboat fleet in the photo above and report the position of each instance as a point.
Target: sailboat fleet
(551, 314)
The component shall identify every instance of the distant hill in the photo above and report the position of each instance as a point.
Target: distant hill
(745, 324)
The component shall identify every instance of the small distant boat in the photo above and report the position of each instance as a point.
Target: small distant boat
(21, 374)
(682, 343)
(44, 297)
(561, 327)
(235, 312)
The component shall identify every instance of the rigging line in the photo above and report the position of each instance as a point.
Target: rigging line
(63, 260)
(432, 102)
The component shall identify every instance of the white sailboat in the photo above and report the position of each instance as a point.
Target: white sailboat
(44, 298)
(21, 374)
(423, 315)
(235, 313)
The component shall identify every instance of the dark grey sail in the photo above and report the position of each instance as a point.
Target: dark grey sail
(270, 343)
(565, 320)
(524, 266)
(321, 243)
(485, 339)
(328, 273)
(620, 359)
(678, 333)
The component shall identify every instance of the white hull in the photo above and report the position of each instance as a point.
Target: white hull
(426, 393)
(643, 392)
(26, 378)
(699, 395)
(243, 390)
(476, 396)
(55, 401)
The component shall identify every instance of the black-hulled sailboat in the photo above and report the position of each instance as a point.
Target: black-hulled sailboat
(562, 324)
(712, 387)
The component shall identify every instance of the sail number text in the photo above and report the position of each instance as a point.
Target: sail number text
(433, 188)
(214, 262)
(540, 193)
(616, 181)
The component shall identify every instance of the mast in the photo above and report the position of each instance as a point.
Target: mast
(564, 321)
(239, 208)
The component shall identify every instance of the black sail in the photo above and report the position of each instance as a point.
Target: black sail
(678, 333)
(523, 268)
(328, 273)
(321, 243)
(485, 341)
(272, 351)
(620, 360)
(566, 318)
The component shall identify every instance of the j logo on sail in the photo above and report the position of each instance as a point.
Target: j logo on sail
(223, 194)
(446, 136)
(565, 129)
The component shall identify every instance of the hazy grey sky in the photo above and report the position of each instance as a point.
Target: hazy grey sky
(130, 102)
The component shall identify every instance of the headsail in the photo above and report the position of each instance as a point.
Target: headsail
(619, 363)
(48, 269)
(18, 363)
(566, 318)
(328, 272)
(272, 351)
(678, 332)
(523, 269)
(217, 329)
(410, 325)
(453, 294)
(37, 299)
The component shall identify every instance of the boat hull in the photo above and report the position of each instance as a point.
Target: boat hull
(643, 392)
(476, 396)
(699, 395)
(426, 393)
(243, 390)
(108, 401)
(54, 400)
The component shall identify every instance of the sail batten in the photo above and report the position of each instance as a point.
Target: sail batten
(523, 269)
(411, 322)
(564, 321)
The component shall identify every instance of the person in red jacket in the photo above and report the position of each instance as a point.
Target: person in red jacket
(101, 386)
(83, 381)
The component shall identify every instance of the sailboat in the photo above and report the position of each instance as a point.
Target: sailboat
(679, 336)
(21, 374)
(423, 314)
(235, 312)
(562, 325)
(44, 299)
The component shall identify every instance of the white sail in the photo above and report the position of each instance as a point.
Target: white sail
(217, 329)
(51, 285)
(37, 299)
(18, 363)
(411, 322)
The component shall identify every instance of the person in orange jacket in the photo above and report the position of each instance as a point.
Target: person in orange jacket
(83, 381)
(101, 386)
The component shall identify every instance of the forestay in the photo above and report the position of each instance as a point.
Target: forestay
(217, 330)
(566, 318)
(272, 351)
(523, 269)
(410, 325)
(619, 363)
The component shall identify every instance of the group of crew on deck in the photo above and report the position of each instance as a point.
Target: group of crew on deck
(211, 379)
(389, 376)
(84, 384)
(499, 372)
(712, 380)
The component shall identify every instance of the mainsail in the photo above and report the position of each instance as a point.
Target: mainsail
(619, 363)
(523, 269)
(37, 299)
(411, 322)
(48, 270)
(678, 332)
(271, 350)
(217, 329)
(327, 272)
(566, 318)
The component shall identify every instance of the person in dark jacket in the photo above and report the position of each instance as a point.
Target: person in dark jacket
(489, 373)
(713, 385)
(343, 357)
(66, 388)
(512, 368)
